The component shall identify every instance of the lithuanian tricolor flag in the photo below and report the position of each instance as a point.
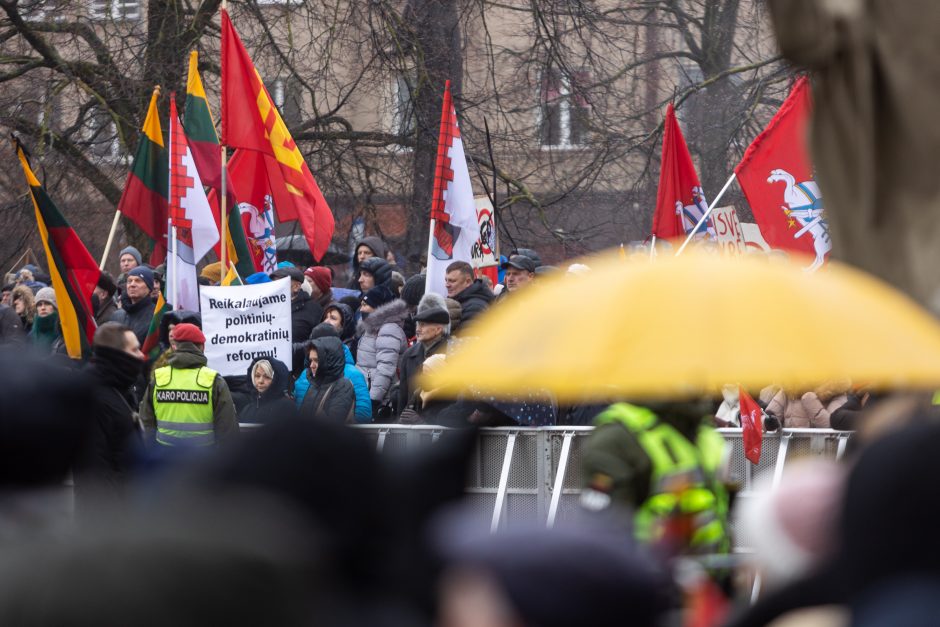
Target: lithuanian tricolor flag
(204, 144)
(151, 347)
(144, 200)
(74, 273)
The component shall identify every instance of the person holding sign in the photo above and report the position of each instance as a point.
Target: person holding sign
(188, 404)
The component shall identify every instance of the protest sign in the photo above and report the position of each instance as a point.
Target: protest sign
(728, 231)
(483, 254)
(242, 322)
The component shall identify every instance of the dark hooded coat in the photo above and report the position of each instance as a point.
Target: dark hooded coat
(331, 395)
(272, 404)
(378, 247)
(115, 435)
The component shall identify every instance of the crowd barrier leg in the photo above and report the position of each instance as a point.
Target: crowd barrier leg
(503, 482)
(559, 479)
(781, 458)
(380, 441)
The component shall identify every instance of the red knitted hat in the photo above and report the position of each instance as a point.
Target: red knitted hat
(187, 332)
(321, 277)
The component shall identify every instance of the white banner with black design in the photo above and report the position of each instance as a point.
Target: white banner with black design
(243, 322)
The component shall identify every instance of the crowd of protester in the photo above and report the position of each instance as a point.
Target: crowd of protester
(315, 528)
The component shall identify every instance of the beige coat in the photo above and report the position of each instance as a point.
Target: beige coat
(875, 67)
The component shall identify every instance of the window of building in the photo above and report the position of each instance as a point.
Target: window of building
(564, 111)
(403, 108)
(115, 9)
(100, 134)
(40, 10)
(289, 100)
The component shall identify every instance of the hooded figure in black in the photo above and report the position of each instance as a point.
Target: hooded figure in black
(116, 434)
(348, 331)
(274, 403)
(371, 243)
(331, 395)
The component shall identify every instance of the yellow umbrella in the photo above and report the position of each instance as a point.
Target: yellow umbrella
(679, 326)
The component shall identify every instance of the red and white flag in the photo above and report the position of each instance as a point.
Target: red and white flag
(196, 232)
(777, 177)
(752, 426)
(680, 201)
(455, 229)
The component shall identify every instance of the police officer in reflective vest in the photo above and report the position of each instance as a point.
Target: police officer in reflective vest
(664, 465)
(188, 404)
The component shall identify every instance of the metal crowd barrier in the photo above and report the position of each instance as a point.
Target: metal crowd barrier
(523, 474)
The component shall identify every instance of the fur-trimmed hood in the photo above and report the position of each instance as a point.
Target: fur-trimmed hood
(394, 312)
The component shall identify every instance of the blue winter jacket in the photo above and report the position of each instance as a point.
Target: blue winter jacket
(363, 402)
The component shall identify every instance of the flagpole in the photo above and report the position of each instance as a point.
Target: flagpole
(706, 214)
(427, 265)
(652, 247)
(223, 219)
(107, 246)
(172, 268)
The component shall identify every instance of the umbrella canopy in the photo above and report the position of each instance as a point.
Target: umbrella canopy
(297, 244)
(683, 326)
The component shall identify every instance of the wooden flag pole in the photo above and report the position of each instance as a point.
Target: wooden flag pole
(706, 214)
(107, 246)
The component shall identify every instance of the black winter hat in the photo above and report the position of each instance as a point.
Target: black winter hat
(378, 268)
(413, 290)
(294, 274)
(324, 329)
(378, 296)
(106, 282)
(433, 314)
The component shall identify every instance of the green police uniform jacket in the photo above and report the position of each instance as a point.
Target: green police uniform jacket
(643, 462)
(188, 403)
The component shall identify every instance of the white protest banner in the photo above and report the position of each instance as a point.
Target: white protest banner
(728, 230)
(483, 254)
(242, 322)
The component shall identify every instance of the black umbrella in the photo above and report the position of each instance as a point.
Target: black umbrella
(295, 247)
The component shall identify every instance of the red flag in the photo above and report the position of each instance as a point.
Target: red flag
(251, 122)
(776, 175)
(752, 426)
(680, 202)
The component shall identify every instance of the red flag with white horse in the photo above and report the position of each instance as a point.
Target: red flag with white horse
(777, 177)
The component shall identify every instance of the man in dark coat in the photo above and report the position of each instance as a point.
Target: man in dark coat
(433, 330)
(305, 313)
(136, 310)
(331, 395)
(374, 272)
(102, 299)
(472, 294)
(116, 363)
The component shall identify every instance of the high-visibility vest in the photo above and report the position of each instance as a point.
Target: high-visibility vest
(182, 405)
(683, 478)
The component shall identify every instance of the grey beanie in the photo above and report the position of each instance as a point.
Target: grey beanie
(133, 252)
(47, 294)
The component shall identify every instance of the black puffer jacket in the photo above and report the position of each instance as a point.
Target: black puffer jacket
(331, 396)
(474, 300)
(272, 404)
